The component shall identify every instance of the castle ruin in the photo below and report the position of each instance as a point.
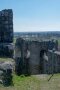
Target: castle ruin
(31, 56)
(6, 32)
(34, 57)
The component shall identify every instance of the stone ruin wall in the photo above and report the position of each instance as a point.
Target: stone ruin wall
(6, 46)
(6, 32)
(54, 61)
(34, 47)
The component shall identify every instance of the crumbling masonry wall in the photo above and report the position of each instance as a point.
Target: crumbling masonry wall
(34, 59)
(6, 32)
(54, 61)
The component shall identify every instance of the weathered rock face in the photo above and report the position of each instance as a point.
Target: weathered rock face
(54, 61)
(6, 32)
(31, 56)
(6, 26)
(6, 72)
(6, 50)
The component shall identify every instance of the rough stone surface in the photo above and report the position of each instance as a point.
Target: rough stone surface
(6, 26)
(6, 69)
(37, 62)
(6, 32)
(54, 61)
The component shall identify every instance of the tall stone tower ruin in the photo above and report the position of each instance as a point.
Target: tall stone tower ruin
(6, 32)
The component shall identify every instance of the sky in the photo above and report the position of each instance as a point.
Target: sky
(34, 15)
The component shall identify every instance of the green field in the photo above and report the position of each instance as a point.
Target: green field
(39, 82)
(6, 59)
(23, 83)
(59, 41)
